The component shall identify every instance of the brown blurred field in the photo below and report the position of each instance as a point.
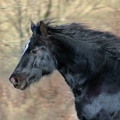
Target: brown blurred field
(50, 98)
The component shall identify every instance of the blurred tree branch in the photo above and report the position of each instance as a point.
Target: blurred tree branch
(47, 14)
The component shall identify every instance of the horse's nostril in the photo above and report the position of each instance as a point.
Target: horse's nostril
(14, 80)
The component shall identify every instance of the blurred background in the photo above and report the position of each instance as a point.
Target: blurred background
(51, 98)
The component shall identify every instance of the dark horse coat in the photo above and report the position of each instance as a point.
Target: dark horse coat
(87, 59)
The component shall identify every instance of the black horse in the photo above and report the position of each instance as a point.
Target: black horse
(89, 60)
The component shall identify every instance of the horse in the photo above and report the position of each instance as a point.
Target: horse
(88, 59)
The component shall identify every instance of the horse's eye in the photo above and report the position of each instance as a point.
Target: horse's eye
(33, 51)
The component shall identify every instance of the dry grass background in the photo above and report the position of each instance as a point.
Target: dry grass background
(50, 98)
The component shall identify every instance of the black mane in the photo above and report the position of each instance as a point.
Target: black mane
(77, 34)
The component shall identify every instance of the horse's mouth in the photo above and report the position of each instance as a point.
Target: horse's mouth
(22, 86)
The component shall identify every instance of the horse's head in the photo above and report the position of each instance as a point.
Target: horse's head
(37, 59)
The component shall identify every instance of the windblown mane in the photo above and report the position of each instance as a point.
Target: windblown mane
(78, 34)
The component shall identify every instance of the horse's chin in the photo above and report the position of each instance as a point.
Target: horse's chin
(31, 80)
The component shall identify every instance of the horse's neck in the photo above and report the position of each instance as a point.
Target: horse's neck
(85, 64)
(76, 77)
(72, 64)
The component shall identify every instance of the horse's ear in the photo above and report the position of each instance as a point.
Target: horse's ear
(43, 29)
(33, 26)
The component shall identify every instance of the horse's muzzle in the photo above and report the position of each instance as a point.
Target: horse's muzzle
(19, 81)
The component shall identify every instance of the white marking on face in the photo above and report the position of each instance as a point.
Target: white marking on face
(26, 47)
